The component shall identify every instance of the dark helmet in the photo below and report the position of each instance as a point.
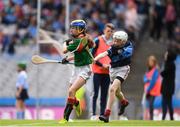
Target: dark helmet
(80, 25)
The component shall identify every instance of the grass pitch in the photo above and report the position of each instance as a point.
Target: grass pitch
(85, 123)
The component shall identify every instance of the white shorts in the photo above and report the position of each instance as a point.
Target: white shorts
(119, 71)
(82, 71)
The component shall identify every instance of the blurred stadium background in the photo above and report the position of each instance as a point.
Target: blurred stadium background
(49, 82)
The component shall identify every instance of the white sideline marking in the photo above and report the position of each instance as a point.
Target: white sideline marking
(24, 125)
(46, 123)
(29, 125)
(82, 126)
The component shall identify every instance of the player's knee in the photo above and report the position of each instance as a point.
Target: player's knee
(120, 79)
(117, 93)
(112, 90)
(71, 92)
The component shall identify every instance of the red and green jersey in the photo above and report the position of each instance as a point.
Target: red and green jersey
(80, 47)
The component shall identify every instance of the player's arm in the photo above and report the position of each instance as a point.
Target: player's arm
(94, 49)
(20, 88)
(127, 52)
(153, 80)
(20, 82)
(145, 79)
(70, 58)
(101, 55)
(91, 43)
(65, 50)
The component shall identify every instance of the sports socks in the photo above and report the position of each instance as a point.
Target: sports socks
(124, 102)
(69, 107)
(20, 115)
(107, 112)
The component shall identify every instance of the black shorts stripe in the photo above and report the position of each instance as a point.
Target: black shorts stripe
(120, 79)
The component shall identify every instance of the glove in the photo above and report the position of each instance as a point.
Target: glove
(68, 41)
(64, 61)
(148, 95)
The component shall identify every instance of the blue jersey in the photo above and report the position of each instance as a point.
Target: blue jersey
(120, 56)
(22, 80)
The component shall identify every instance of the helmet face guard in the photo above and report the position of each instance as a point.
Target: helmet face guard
(79, 25)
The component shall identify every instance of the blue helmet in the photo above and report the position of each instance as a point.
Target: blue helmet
(79, 25)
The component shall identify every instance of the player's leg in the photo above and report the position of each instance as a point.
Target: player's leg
(78, 79)
(124, 102)
(151, 106)
(24, 96)
(18, 109)
(70, 101)
(110, 101)
(76, 86)
(112, 92)
(20, 106)
(96, 82)
(71, 98)
(119, 93)
(105, 82)
(83, 75)
(69, 105)
(67, 110)
(164, 107)
(170, 106)
(22, 109)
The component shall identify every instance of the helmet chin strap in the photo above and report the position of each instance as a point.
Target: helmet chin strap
(119, 46)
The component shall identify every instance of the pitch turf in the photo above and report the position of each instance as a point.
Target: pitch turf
(85, 123)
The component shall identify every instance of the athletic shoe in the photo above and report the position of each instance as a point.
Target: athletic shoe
(94, 117)
(62, 121)
(104, 118)
(124, 104)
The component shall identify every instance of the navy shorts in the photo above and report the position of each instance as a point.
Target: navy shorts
(23, 95)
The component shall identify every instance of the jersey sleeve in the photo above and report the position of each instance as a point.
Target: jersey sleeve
(153, 80)
(110, 51)
(127, 52)
(145, 79)
(96, 41)
(90, 43)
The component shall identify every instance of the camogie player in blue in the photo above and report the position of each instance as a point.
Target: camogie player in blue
(21, 92)
(120, 54)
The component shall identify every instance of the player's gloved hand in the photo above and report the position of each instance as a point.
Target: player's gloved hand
(64, 61)
(68, 41)
(148, 95)
(105, 66)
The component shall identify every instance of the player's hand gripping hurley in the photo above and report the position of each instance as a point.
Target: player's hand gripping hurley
(36, 59)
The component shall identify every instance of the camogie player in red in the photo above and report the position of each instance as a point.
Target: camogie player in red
(78, 45)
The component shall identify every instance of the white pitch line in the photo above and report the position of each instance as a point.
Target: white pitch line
(46, 123)
(82, 126)
(17, 125)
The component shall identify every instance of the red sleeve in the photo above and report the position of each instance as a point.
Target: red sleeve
(90, 43)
